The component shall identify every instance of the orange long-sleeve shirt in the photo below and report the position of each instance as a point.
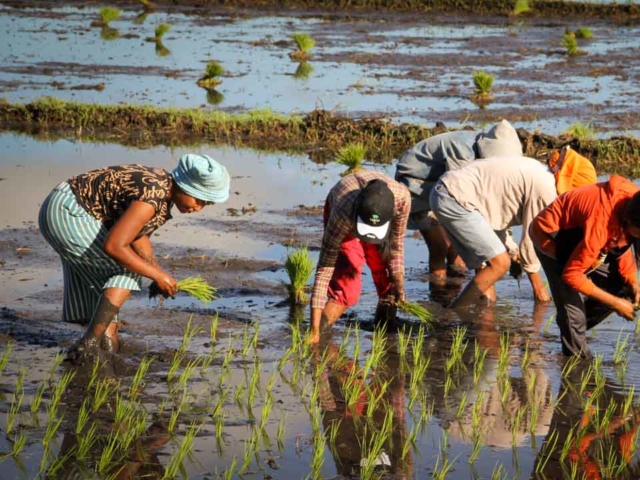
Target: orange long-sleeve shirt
(597, 209)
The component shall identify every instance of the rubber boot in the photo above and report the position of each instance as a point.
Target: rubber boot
(90, 344)
(386, 312)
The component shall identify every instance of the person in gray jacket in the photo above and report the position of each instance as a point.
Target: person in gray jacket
(421, 167)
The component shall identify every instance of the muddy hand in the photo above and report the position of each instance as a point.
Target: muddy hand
(167, 285)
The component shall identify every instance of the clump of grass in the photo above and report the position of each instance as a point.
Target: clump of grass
(580, 131)
(584, 33)
(416, 310)
(299, 268)
(351, 156)
(571, 44)
(212, 71)
(198, 288)
(521, 6)
(483, 82)
(304, 42)
(161, 30)
(303, 71)
(109, 14)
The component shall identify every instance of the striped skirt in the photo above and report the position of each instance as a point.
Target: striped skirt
(79, 239)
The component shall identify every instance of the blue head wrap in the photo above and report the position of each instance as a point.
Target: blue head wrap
(202, 177)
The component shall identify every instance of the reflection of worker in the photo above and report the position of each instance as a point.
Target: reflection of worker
(347, 451)
(423, 164)
(572, 420)
(584, 243)
(478, 203)
(100, 224)
(365, 217)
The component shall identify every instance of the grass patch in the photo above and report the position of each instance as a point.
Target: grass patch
(351, 156)
(212, 72)
(198, 288)
(299, 268)
(580, 130)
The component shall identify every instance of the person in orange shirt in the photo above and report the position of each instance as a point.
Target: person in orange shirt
(571, 170)
(583, 240)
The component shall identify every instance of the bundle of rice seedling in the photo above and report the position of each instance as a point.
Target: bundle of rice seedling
(198, 288)
(351, 156)
(415, 310)
(299, 267)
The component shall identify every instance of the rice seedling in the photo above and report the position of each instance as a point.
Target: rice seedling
(483, 82)
(580, 131)
(61, 387)
(103, 390)
(499, 472)
(304, 42)
(443, 465)
(83, 416)
(108, 15)
(16, 402)
(372, 446)
(4, 359)
(457, 349)
(317, 458)
(461, 405)
(416, 310)
(515, 427)
(621, 349)
(627, 405)
(548, 323)
(19, 442)
(571, 44)
(299, 267)
(163, 51)
(479, 357)
(198, 288)
(228, 473)
(504, 356)
(212, 73)
(137, 383)
(185, 447)
(86, 441)
(303, 71)
(37, 397)
(547, 450)
(584, 33)
(108, 453)
(351, 156)
(477, 445)
(51, 430)
(521, 6)
(160, 31)
(505, 391)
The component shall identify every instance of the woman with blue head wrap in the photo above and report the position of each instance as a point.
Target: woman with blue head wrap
(100, 223)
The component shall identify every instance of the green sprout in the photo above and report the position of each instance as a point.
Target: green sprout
(584, 33)
(161, 30)
(416, 310)
(198, 288)
(304, 42)
(483, 82)
(299, 268)
(212, 71)
(571, 44)
(351, 156)
(580, 131)
(109, 14)
(521, 6)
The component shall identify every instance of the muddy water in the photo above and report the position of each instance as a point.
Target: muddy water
(391, 65)
(242, 254)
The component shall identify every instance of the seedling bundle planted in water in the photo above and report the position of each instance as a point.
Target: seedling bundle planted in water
(299, 268)
(211, 73)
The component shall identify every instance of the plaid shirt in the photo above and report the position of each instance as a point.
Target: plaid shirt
(340, 205)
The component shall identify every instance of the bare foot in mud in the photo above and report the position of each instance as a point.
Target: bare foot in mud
(84, 350)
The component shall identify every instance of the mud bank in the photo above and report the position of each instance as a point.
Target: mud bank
(558, 8)
(319, 133)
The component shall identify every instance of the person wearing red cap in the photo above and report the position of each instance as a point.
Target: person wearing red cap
(365, 218)
(583, 240)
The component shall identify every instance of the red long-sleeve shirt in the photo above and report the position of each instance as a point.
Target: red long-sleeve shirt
(598, 210)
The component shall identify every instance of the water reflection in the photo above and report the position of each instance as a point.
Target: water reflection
(214, 97)
(356, 427)
(161, 50)
(304, 71)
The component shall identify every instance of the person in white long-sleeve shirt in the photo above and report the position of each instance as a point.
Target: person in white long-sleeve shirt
(478, 203)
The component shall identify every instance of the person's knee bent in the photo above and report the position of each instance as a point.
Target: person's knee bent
(500, 263)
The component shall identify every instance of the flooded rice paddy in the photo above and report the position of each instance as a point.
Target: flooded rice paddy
(392, 65)
(232, 390)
